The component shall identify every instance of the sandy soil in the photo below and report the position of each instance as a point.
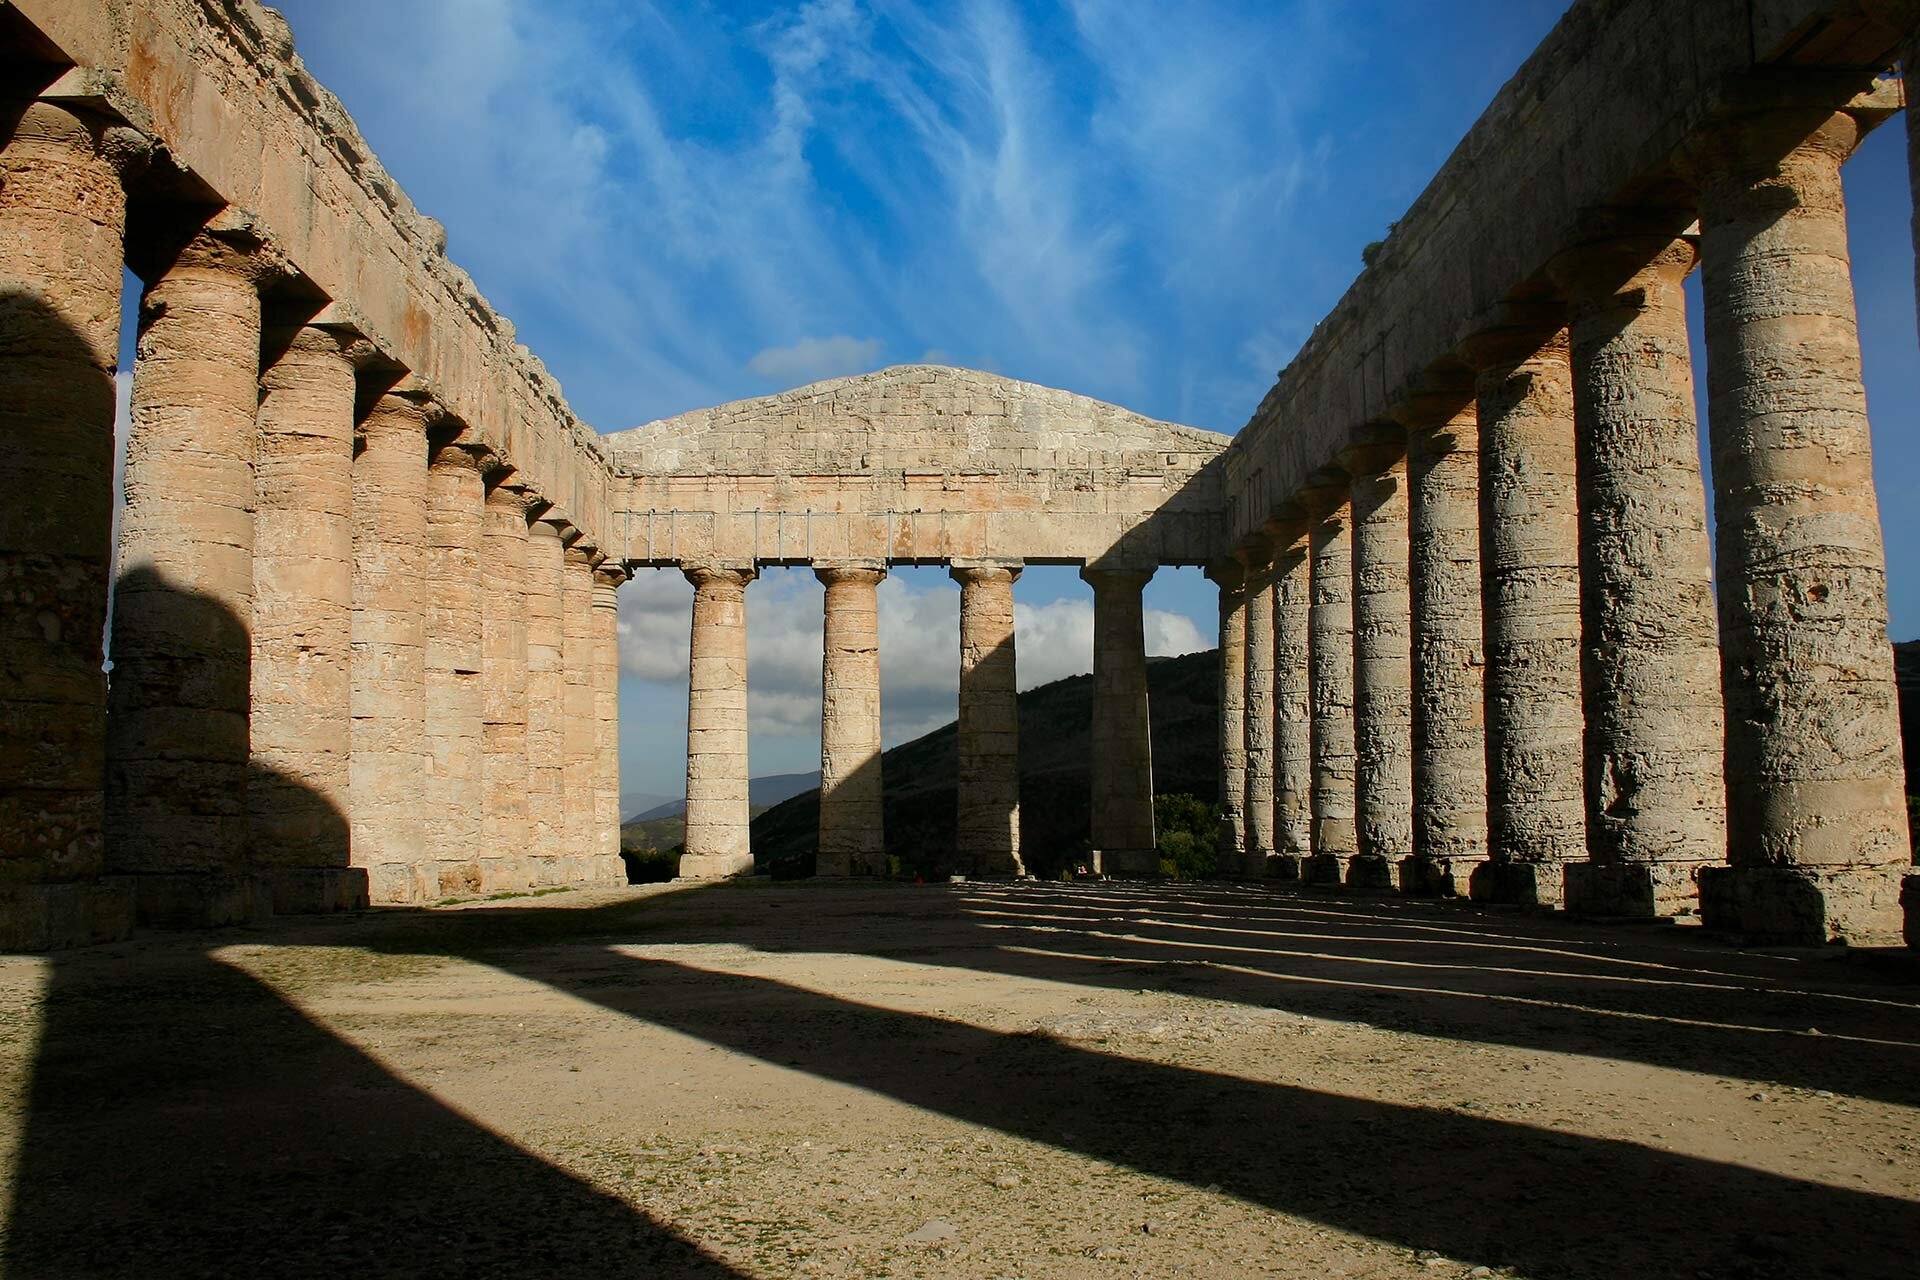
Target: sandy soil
(958, 1081)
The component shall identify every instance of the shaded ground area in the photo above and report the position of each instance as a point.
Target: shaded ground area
(973, 1080)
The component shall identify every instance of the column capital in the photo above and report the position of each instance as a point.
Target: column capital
(611, 574)
(1601, 267)
(1441, 395)
(1227, 573)
(832, 572)
(721, 576)
(1373, 449)
(453, 456)
(1746, 145)
(1255, 556)
(401, 412)
(1326, 492)
(1285, 526)
(974, 570)
(229, 244)
(307, 338)
(1116, 575)
(1513, 333)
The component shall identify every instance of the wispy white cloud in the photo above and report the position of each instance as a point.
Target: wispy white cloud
(811, 359)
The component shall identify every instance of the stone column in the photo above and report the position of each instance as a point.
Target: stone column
(505, 826)
(1330, 681)
(62, 223)
(1292, 702)
(1449, 715)
(852, 828)
(1655, 735)
(302, 680)
(1256, 562)
(183, 600)
(988, 826)
(389, 764)
(606, 715)
(546, 695)
(1232, 839)
(1530, 604)
(1816, 816)
(718, 841)
(456, 702)
(579, 726)
(1382, 662)
(1122, 756)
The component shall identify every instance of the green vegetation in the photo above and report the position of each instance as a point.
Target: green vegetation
(1189, 831)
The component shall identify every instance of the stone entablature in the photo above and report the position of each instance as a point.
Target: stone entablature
(217, 86)
(916, 463)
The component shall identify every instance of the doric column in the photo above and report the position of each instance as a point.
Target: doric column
(1122, 749)
(1330, 680)
(302, 678)
(852, 831)
(505, 829)
(579, 726)
(546, 694)
(1382, 661)
(1530, 605)
(456, 702)
(389, 764)
(988, 827)
(1816, 818)
(1256, 564)
(718, 840)
(606, 718)
(1292, 700)
(1449, 744)
(1655, 787)
(183, 601)
(62, 223)
(1231, 842)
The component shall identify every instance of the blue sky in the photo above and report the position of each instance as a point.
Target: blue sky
(684, 204)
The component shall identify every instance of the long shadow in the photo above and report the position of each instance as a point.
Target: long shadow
(185, 1120)
(1545, 1202)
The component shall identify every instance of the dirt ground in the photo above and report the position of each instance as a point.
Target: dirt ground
(836, 1080)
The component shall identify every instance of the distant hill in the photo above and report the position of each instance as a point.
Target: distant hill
(1055, 728)
(636, 803)
(761, 792)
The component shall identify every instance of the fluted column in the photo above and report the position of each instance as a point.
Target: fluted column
(1816, 816)
(718, 840)
(1656, 795)
(1231, 841)
(1122, 748)
(852, 829)
(1292, 701)
(302, 679)
(1382, 663)
(1256, 562)
(546, 695)
(606, 716)
(988, 826)
(1449, 712)
(579, 730)
(183, 601)
(1530, 603)
(456, 702)
(62, 222)
(1330, 682)
(389, 764)
(505, 829)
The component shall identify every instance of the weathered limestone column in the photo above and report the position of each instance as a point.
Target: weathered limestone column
(579, 725)
(1122, 819)
(1382, 662)
(546, 694)
(1656, 794)
(718, 840)
(1292, 700)
(505, 828)
(183, 603)
(302, 681)
(1449, 715)
(1530, 603)
(62, 223)
(988, 827)
(1330, 681)
(606, 716)
(389, 765)
(456, 702)
(852, 828)
(1256, 562)
(1816, 815)
(1232, 838)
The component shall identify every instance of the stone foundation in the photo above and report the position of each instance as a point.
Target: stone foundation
(53, 917)
(1645, 890)
(1807, 906)
(1516, 884)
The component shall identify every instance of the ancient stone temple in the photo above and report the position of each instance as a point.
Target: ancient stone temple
(1476, 638)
